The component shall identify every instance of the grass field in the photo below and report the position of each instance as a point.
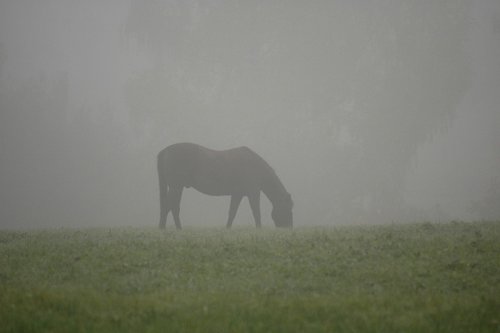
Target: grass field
(394, 278)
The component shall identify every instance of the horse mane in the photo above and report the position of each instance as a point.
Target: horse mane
(270, 179)
(262, 161)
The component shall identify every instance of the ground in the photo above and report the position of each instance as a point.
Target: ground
(420, 277)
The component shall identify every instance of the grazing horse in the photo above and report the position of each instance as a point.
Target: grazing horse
(237, 172)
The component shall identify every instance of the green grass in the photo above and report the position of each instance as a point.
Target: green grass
(394, 278)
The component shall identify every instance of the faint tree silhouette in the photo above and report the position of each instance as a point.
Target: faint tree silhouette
(352, 88)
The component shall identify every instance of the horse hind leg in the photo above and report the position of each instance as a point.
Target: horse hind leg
(174, 197)
(164, 205)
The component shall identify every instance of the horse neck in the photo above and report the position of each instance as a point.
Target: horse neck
(273, 188)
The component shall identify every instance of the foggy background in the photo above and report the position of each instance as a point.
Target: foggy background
(370, 111)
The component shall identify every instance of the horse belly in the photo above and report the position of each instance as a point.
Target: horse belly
(212, 187)
(219, 181)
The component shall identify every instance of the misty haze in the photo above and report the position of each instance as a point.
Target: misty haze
(371, 112)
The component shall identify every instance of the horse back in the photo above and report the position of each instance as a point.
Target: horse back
(213, 172)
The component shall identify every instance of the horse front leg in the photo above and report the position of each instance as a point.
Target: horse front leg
(254, 200)
(233, 208)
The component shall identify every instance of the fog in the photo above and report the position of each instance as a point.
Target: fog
(369, 111)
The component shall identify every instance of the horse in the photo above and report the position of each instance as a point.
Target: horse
(237, 172)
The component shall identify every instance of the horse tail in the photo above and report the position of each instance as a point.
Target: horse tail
(163, 185)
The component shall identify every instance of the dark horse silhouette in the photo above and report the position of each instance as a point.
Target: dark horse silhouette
(237, 172)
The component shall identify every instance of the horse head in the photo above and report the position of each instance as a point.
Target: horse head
(282, 212)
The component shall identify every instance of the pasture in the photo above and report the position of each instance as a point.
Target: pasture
(419, 277)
